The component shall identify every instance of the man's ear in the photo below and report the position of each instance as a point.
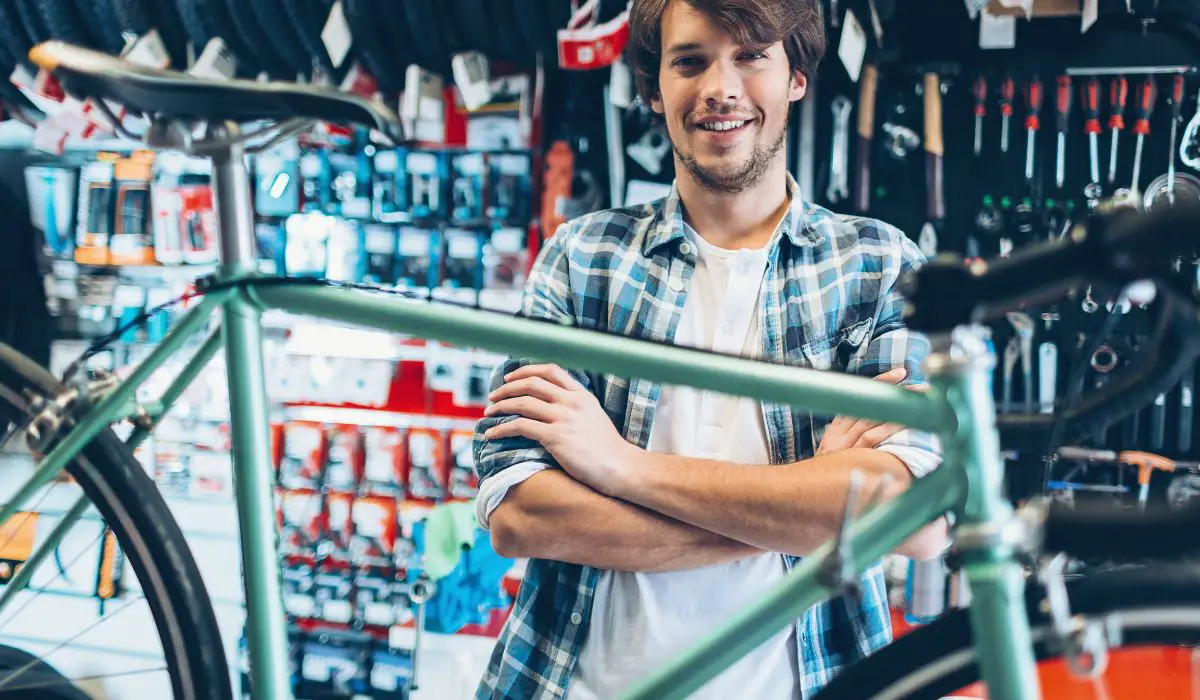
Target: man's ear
(798, 87)
(656, 104)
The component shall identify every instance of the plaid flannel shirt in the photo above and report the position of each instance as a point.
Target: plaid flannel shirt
(828, 302)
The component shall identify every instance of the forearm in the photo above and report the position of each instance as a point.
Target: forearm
(791, 508)
(552, 516)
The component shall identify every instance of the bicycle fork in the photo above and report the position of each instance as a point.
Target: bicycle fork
(266, 622)
(988, 533)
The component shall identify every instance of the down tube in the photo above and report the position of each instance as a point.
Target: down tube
(876, 533)
(824, 393)
(266, 629)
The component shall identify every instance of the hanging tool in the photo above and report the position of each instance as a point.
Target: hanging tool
(1141, 126)
(1012, 351)
(1062, 114)
(1023, 325)
(1189, 147)
(1176, 115)
(1033, 108)
(866, 132)
(1187, 391)
(839, 160)
(1091, 124)
(935, 205)
(1047, 376)
(1103, 361)
(1146, 462)
(1007, 91)
(1117, 95)
(979, 90)
(1158, 422)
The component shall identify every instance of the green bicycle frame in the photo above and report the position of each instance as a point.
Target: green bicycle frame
(957, 407)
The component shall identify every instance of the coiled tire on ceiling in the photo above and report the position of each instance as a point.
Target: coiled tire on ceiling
(308, 19)
(31, 20)
(475, 28)
(532, 23)
(430, 50)
(63, 22)
(396, 35)
(193, 26)
(99, 19)
(13, 35)
(370, 47)
(244, 25)
(514, 45)
(214, 18)
(138, 17)
(278, 33)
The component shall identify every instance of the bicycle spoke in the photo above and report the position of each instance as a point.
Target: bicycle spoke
(81, 679)
(24, 669)
(65, 524)
(68, 565)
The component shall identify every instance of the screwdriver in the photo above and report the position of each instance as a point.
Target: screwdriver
(1033, 107)
(1117, 95)
(979, 90)
(1007, 89)
(1062, 113)
(1176, 115)
(1141, 125)
(1091, 111)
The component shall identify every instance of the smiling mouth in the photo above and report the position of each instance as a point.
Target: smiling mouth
(723, 126)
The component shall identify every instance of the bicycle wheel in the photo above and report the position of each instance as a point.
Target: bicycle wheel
(1150, 606)
(133, 509)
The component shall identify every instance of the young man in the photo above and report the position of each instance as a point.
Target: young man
(651, 514)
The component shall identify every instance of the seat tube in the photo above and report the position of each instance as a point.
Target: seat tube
(987, 531)
(266, 623)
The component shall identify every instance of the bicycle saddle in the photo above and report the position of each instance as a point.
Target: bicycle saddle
(85, 73)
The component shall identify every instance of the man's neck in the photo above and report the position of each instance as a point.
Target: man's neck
(733, 221)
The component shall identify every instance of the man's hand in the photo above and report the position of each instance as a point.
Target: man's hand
(562, 415)
(845, 433)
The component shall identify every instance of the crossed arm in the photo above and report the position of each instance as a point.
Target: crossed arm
(616, 506)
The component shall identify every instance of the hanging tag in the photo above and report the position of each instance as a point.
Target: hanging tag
(997, 32)
(359, 82)
(215, 62)
(1091, 13)
(585, 16)
(593, 47)
(471, 77)
(853, 46)
(336, 35)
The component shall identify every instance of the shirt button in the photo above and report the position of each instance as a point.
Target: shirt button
(685, 248)
(576, 618)
(675, 284)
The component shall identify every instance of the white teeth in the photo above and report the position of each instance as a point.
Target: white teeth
(722, 126)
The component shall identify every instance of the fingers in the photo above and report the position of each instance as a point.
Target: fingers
(877, 435)
(537, 387)
(893, 375)
(526, 406)
(520, 427)
(551, 373)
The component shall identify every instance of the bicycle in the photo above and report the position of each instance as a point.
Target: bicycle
(999, 638)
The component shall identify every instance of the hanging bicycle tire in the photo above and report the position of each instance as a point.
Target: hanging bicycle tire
(119, 489)
(1152, 606)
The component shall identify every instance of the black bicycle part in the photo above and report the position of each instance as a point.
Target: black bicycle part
(194, 26)
(31, 19)
(244, 26)
(215, 20)
(391, 26)
(477, 29)
(1102, 531)
(938, 659)
(132, 506)
(532, 24)
(308, 20)
(38, 680)
(101, 23)
(13, 33)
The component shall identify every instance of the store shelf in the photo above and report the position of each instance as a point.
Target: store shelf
(368, 417)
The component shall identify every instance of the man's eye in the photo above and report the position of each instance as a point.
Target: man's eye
(753, 56)
(686, 62)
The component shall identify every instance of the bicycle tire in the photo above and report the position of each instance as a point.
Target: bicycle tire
(13, 33)
(193, 25)
(396, 34)
(532, 23)
(62, 21)
(514, 45)
(557, 14)
(243, 24)
(1153, 605)
(307, 22)
(31, 19)
(427, 36)
(133, 16)
(476, 29)
(214, 15)
(130, 502)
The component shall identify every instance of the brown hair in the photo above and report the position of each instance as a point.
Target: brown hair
(750, 22)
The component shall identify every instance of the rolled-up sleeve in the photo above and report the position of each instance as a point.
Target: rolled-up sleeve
(547, 296)
(893, 345)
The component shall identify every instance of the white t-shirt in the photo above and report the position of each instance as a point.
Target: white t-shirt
(642, 620)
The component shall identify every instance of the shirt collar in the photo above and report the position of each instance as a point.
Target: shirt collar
(799, 224)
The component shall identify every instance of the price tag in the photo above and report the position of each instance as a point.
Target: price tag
(414, 242)
(997, 32)
(422, 163)
(508, 240)
(386, 162)
(380, 239)
(336, 35)
(853, 46)
(356, 208)
(463, 245)
(510, 164)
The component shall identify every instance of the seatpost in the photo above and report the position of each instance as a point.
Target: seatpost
(987, 532)
(266, 622)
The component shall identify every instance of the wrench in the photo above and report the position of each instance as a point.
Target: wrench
(1011, 352)
(1047, 376)
(839, 162)
(1189, 146)
(1023, 325)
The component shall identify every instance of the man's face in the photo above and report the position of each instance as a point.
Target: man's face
(725, 105)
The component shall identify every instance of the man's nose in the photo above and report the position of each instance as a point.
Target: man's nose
(720, 85)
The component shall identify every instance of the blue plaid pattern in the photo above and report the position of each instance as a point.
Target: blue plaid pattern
(829, 302)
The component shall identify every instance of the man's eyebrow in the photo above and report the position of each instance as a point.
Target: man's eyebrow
(688, 46)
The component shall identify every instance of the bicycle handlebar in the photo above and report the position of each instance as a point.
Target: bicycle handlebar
(1111, 246)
